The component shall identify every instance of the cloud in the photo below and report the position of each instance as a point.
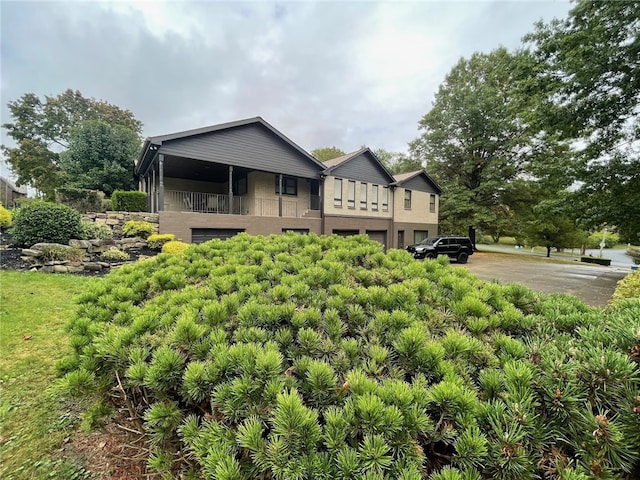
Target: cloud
(327, 73)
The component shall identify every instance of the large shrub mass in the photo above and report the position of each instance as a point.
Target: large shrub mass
(306, 357)
(40, 221)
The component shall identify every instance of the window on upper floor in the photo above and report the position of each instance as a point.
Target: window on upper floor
(385, 198)
(337, 192)
(363, 195)
(289, 185)
(432, 203)
(374, 197)
(351, 194)
(407, 199)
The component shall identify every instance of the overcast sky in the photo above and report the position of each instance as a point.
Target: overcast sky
(340, 74)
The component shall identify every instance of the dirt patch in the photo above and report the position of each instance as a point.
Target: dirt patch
(115, 452)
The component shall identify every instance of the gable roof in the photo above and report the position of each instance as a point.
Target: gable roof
(22, 189)
(339, 165)
(404, 179)
(152, 144)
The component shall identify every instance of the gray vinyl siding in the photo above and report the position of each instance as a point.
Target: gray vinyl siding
(419, 183)
(250, 146)
(363, 168)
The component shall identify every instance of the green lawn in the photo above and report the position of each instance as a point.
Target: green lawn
(34, 421)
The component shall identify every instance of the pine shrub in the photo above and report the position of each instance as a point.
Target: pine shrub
(157, 240)
(40, 221)
(628, 287)
(174, 247)
(137, 228)
(299, 356)
(114, 255)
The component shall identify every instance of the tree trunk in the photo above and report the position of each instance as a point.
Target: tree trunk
(548, 251)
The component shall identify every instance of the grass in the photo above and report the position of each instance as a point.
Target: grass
(34, 421)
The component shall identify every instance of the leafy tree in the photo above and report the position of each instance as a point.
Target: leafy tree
(552, 227)
(398, 162)
(591, 77)
(327, 153)
(100, 157)
(43, 128)
(480, 137)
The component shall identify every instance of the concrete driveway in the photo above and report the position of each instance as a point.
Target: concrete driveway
(593, 284)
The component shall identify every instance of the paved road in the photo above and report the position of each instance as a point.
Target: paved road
(593, 284)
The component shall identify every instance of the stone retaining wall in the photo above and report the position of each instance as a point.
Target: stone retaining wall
(92, 249)
(116, 220)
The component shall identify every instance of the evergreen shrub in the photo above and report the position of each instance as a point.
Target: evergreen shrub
(307, 357)
(628, 287)
(129, 201)
(114, 255)
(137, 228)
(40, 221)
(157, 240)
(62, 253)
(6, 219)
(174, 247)
(92, 230)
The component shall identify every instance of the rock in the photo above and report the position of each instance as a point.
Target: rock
(92, 266)
(30, 252)
(104, 264)
(84, 244)
(47, 269)
(112, 221)
(75, 269)
(40, 246)
(60, 269)
(99, 249)
(101, 221)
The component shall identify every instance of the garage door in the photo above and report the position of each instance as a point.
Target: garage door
(346, 233)
(378, 236)
(199, 235)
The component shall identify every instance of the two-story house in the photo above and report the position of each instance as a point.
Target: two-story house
(246, 176)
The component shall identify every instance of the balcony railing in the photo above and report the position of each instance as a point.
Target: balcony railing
(178, 201)
(181, 201)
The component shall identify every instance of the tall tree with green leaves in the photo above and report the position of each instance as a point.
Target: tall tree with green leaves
(327, 153)
(479, 138)
(100, 157)
(397, 162)
(592, 84)
(42, 129)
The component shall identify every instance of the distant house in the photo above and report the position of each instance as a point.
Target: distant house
(9, 193)
(246, 176)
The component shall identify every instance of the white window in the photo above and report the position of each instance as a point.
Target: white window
(432, 203)
(363, 196)
(374, 197)
(385, 198)
(337, 192)
(351, 194)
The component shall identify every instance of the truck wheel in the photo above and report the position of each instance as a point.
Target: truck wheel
(462, 257)
(430, 256)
